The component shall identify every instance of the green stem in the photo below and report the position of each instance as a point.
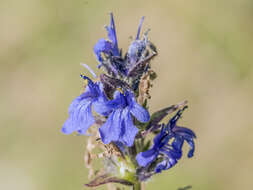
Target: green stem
(137, 186)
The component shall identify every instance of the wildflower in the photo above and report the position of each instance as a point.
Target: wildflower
(127, 77)
(169, 152)
(137, 46)
(119, 125)
(80, 114)
(108, 47)
(110, 57)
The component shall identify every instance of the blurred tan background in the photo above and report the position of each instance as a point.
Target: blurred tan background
(205, 56)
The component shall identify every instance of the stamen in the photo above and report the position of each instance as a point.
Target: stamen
(89, 69)
(120, 90)
(86, 79)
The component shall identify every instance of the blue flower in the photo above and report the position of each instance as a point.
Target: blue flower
(108, 47)
(168, 145)
(80, 114)
(137, 47)
(109, 55)
(119, 125)
(139, 28)
(147, 157)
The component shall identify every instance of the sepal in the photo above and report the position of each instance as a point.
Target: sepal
(106, 178)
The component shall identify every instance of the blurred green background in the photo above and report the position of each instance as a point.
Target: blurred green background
(205, 56)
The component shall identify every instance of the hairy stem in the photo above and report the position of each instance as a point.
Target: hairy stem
(137, 186)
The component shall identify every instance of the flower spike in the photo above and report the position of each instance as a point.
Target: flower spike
(115, 108)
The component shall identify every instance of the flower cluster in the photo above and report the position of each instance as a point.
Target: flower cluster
(168, 144)
(115, 106)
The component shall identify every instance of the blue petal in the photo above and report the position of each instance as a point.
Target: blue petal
(136, 109)
(101, 104)
(145, 158)
(80, 115)
(165, 165)
(162, 139)
(172, 162)
(161, 166)
(118, 102)
(171, 153)
(102, 46)
(83, 117)
(128, 130)
(86, 96)
(80, 118)
(76, 102)
(184, 132)
(68, 127)
(92, 90)
(140, 113)
(192, 147)
(118, 95)
(111, 129)
(139, 28)
(135, 51)
(177, 144)
(111, 31)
